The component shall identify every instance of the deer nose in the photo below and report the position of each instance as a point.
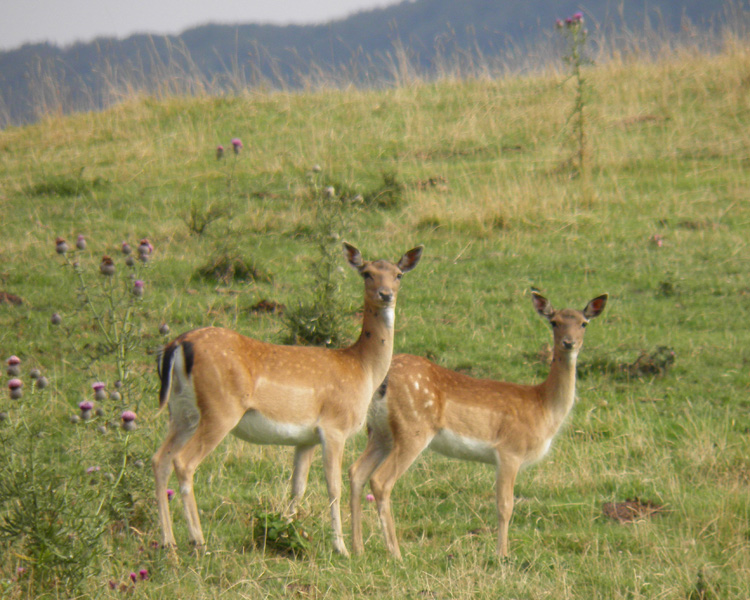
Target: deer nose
(386, 295)
(567, 344)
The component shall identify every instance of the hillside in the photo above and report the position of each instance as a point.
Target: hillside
(435, 35)
(643, 493)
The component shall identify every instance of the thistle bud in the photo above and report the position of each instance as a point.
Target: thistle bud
(107, 266)
(128, 420)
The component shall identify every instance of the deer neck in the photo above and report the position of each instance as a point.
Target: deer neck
(374, 348)
(559, 389)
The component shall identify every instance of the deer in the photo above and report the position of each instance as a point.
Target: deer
(216, 381)
(509, 425)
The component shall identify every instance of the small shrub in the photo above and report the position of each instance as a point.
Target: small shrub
(228, 267)
(319, 321)
(312, 324)
(55, 523)
(66, 186)
(388, 195)
(274, 532)
(203, 215)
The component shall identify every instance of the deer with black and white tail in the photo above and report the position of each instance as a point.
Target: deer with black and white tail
(216, 381)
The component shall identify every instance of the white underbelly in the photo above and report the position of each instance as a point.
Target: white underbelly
(256, 428)
(451, 444)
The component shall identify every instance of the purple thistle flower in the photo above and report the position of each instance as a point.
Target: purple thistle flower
(143, 574)
(86, 408)
(133, 577)
(16, 388)
(145, 247)
(578, 17)
(107, 266)
(93, 469)
(61, 246)
(128, 420)
(42, 382)
(55, 319)
(126, 249)
(112, 584)
(144, 250)
(370, 498)
(219, 152)
(100, 393)
(236, 145)
(170, 494)
(13, 366)
(81, 242)
(138, 288)
(164, 329)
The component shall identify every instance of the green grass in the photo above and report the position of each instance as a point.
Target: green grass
(485, 183)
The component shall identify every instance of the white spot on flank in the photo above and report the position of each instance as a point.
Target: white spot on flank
(416, 385)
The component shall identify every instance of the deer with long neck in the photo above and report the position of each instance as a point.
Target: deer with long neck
(216, 381)
(422, 405)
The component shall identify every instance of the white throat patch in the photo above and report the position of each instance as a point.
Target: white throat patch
(389, 316)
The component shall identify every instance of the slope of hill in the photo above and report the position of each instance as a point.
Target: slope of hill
(644, 494)
(39, 79)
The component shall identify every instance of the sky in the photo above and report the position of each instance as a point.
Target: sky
(64, 22)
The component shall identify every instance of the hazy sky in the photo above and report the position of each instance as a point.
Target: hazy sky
(64, 22)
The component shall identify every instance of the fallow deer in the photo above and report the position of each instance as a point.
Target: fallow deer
(422, 405)
(216, 381)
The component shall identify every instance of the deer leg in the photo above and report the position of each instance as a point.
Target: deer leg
(210, 431)
(303, 456)
(507, 470)
(162, 467)
(400, 458)
(359, 474)
(162, 463)
(333, 454)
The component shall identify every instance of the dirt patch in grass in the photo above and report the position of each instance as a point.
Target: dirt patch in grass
(629, 511)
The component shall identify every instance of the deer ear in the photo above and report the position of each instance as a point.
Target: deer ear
(542, 305)
(410, 259)
(595, 307)
(353, 256)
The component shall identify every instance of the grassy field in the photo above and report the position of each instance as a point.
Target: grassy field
(480, 172)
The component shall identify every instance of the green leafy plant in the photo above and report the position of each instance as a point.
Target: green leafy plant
(55, 523)
(273, 531)
(319, 321)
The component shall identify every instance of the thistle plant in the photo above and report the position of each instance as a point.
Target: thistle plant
(319, 322)
(110, 300)
(575, 35)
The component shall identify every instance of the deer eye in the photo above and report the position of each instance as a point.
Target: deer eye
(553, 323)
(399, 276)
(366, 275)
(584, 324)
